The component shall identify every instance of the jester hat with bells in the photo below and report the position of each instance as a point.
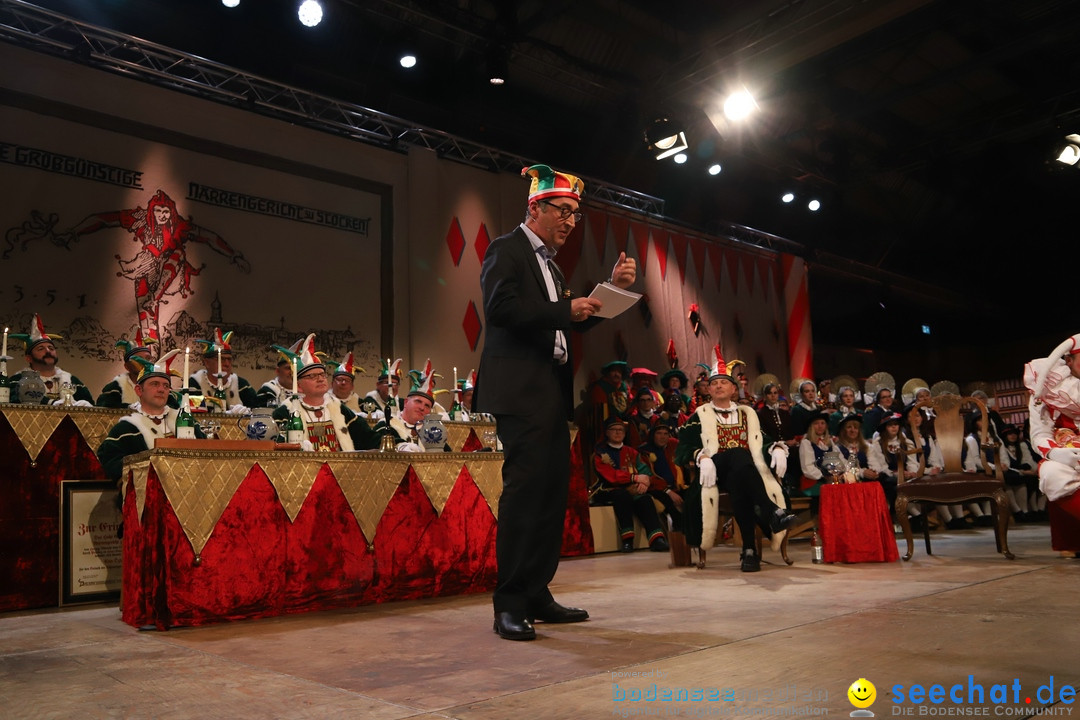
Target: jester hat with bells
(306, 359)
(547, 184)
(162, 368)
(36, 336)
(139, 344)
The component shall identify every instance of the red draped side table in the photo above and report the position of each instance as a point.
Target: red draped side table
(855, 525)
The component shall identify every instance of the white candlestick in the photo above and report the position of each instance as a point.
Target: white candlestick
(187, 367)
(295, 387)
(4, 351)
(219, 366)
(455, 378)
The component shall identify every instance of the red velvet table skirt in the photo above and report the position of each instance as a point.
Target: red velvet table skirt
(854, 524)
(30, 509)
(256, 563)
(1064, 529)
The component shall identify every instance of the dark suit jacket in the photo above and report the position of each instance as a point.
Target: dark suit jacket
(521, 325)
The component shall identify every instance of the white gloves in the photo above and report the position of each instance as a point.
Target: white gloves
(307, 445)
(75, 403)
(1065, 456)
(238, 410)
(409, 447)
(707, 472)
(779, 460)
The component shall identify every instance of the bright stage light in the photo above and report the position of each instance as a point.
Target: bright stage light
(813, 205)
(739, 105)
(310, 13)
(788, 197)
(408, 61)
(230, 3)
(714, 169)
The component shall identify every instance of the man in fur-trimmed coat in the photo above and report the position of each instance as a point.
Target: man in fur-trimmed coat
(724, 440)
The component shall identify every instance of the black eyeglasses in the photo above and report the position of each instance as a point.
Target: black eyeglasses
(564, 211)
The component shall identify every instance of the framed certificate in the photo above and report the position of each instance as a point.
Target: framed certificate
(90, 551)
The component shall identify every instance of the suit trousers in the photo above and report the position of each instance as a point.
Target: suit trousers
(532, 508)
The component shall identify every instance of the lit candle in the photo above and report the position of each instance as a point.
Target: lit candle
(187, 368)
(219, 374)
(4, 351)
(455, 379)
(295, 387)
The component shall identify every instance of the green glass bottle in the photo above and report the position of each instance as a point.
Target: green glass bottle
(185, 421)
(5, 388)
(455, 409)
(294, 430)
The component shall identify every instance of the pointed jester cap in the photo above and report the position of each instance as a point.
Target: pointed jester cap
(547, 184)
(36, 336)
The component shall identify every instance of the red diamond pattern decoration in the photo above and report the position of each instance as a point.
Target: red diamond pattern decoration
(455, 241)
(472, 325)
(482, 242)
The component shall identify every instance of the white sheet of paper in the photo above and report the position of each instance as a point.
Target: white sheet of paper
(615, 300)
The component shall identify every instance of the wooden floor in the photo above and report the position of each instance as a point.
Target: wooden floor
(787, 640)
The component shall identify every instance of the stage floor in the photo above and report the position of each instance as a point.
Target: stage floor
(788, 637)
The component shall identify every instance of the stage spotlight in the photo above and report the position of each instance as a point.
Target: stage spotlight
(813, 205)
(665, 138)
(498, 64)
(310, 13)
(787, 197)
(715, 169)
(739, 105)
(408, 61)
(680, 158)
(230, 3)
(1069, 155)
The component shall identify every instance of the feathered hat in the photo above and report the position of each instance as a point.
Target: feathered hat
(722, 369)
(220, 342)
(139, 344)
(162, 368)
(345, 367)
(303, 357)
(422, 382)
(36, 336)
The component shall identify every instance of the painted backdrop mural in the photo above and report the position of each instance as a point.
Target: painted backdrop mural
(105, 234)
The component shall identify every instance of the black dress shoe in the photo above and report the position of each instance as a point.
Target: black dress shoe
(659, 545)
(750, 561)
(513, 626)
(782, 521)
(627, 546)
(556, 613)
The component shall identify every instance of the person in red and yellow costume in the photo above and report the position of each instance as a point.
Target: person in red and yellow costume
(1054, 409)
(623, 481)
(724, 440)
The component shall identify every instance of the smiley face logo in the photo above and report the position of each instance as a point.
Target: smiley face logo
(862, 693)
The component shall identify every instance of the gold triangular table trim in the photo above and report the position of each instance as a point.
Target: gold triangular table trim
(368, 487)
(200, 492)
(34, 425)
(438, 478)
(488, 478)
(291, 479)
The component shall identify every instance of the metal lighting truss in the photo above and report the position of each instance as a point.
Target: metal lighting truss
(43, 30)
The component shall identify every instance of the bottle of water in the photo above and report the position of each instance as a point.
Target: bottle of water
(817, 553)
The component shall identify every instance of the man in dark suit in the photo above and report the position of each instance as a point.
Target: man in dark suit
(529, 316)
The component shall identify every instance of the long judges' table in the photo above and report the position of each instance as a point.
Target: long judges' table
(41, 446)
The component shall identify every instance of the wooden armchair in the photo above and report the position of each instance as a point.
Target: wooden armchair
(953, 485)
